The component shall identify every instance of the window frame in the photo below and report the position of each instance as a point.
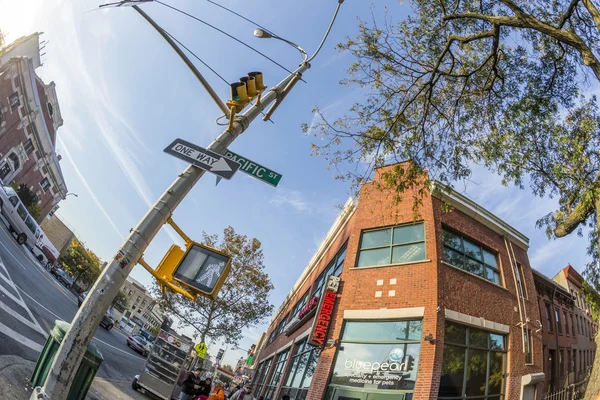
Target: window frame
(572, 324)
(311, 353)
(11, 100)
(528, 346)
(464, 254)
(557, 320)
(549, 317)
(45, 184)
(520, 274)
(335, 267)
(566, 318)
(279, 367)
(489, 350)
(391, 245)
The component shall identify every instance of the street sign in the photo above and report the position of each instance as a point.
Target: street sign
(254, 169)
(202, 158)
(200, 349)
(220, 355)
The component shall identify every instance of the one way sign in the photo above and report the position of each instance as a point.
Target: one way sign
(202, 158)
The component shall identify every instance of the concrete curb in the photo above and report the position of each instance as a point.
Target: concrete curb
(15, 372)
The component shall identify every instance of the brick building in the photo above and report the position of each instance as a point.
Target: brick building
(142, 312)
(29, 118)
(58, 233)
(438, 307)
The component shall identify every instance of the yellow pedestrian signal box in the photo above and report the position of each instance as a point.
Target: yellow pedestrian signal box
(202, 269)
(197, 270)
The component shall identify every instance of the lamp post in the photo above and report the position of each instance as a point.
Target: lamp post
(263, 34)
(71, 194)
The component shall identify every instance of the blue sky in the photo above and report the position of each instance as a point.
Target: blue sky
(124, 95)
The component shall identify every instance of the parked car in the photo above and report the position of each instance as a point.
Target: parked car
(19, 220)
(139, 344)
(63, 277)
(81, 297)
(108, 321)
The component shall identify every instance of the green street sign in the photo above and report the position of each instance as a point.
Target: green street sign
(254, 169)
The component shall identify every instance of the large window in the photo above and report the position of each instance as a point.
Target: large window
(572, 325)
(471, 257)
(566, 323)
(281, 325)
(45, 183)
(301, 303)
(378, 355)
(276, 375)
(474, 364)
(14, 101)
(304, 361)
(557, 317)
(261, 375)
(561, 363)
(388, 246)
(549, 317)
(334, 268)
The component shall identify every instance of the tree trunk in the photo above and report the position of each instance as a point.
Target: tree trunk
(593, 386)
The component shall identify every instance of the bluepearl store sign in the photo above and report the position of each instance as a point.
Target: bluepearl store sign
(378, 355)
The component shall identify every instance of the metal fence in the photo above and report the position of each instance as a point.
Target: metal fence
(574, 391)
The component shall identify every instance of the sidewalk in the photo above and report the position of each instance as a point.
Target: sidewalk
(16, 371)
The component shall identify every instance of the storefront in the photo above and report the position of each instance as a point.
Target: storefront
(376, 360)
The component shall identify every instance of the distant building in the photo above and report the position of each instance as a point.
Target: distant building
(58, 233)
(29, 118)
(142, 311)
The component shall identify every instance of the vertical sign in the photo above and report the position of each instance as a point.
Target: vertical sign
(322, 322)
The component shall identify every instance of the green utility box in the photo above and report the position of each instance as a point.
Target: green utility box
(87, 370)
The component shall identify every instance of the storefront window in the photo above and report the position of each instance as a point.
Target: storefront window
(276, 376)
(261, 375)
(299, 377)
(473, 365)
(378, 355)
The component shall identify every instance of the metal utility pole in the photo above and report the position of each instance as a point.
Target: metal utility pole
(87, 319)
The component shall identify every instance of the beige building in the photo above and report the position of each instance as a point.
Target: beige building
(57, 232)
(142, 312)
(586, 327)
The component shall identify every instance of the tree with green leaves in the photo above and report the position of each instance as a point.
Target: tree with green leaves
(29, 199)
(243, 300)
(493, 82)
(81, 263)
(120, 302)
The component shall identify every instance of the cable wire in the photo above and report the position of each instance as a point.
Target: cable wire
(328, 30)
(225, 33)
(241, 16)
(194, 54)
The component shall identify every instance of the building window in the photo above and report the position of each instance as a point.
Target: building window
(4, 170)
(471, 257)
(557, 316)
(521, 280)
(271, 336)
(278, 369)
(281, 325)
(572, 325)
(549, 317)
(566, 323)
(261, 375)
(387, 350)
(334, 268)
(138, 299)
(14, 101)
(561, 363)
(575, 362)
(299, 377)
(143, 303)
(301, 303)
(474, 363)
(28, 146)
(45, 183)
(568, 361)
(528, 346)
(388, 246)
(50, 109)
(16, 163)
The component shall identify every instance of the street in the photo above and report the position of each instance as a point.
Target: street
(31, 299)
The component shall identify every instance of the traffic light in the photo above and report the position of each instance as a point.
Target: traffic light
(244, 91)
(410, 363)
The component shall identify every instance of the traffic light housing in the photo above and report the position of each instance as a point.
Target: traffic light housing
(244, 91)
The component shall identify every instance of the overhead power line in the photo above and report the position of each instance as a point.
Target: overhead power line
(242, 17)
(224, 33)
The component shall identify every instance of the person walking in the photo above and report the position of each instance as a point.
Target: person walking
(243, 394)
(190, 384)
(218, 392)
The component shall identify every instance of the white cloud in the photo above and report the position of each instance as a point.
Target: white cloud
(90, 191)
(292, 198)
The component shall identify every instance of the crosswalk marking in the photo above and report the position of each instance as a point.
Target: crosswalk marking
(21, 319)
(20, 338)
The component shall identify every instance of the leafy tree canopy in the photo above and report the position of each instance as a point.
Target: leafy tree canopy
(81, 263)
(29, 199)
(243, 300)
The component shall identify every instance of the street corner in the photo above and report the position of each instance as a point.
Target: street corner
(15, 372)
(109, 389)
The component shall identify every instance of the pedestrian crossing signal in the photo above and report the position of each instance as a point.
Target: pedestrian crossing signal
(202, 269)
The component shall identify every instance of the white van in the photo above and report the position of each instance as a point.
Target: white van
(19, 220)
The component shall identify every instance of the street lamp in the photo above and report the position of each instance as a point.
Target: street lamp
(69, 194)
(263, 34)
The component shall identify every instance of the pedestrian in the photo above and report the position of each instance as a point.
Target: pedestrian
(243, 394)
(190, 384)
(218, 392)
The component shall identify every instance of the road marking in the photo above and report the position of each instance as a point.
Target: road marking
(64, 319)
(20, 338)
(21, 319)
(61, 290)
(12, 297)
